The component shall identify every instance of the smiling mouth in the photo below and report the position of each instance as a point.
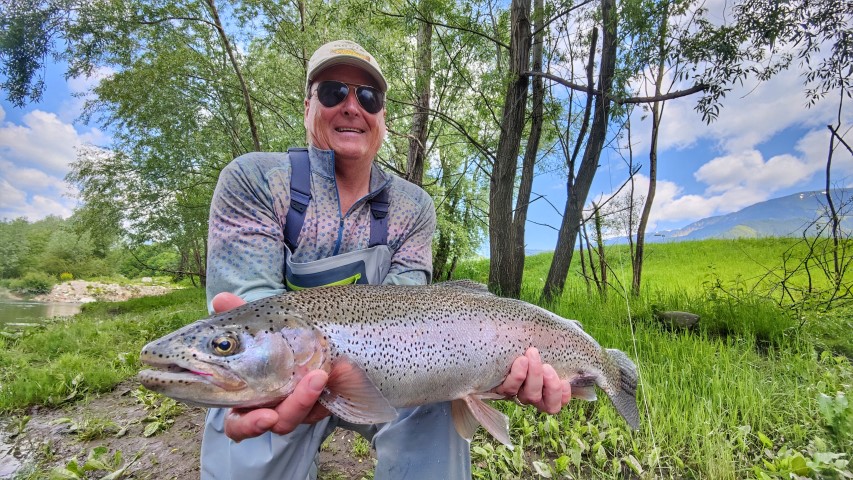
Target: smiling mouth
(352, 130)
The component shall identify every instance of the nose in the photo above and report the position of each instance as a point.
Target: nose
(350, 104)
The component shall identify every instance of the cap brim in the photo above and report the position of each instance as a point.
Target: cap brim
(355, 62)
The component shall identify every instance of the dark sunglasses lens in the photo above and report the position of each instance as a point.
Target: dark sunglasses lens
(331, 93)
(370, 99)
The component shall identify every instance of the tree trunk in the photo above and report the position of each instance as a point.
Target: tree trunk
(515, 273)
(442, 253)
(650, 197)
(589, 164)
(244, 88)
(602, 258)
(418, 134)
(502, 183)
(657, 112)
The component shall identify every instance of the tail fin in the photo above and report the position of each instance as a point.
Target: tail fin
(625, 398)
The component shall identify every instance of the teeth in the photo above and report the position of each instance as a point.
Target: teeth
(356, 130)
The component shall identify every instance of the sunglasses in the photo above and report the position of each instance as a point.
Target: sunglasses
(332, 92)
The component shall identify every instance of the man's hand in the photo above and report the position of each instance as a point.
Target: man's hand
(535, 383)
(299, 407)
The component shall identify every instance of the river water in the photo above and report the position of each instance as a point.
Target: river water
(24, 311)
(16, 315)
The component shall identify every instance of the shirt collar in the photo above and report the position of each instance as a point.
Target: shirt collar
(323, 162)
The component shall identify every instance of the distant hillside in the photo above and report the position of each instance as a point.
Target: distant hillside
(779, 217)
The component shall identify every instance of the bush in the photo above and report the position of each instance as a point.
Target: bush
(32, 283)
(66, 276)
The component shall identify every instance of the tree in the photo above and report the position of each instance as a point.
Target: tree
(14, 246)
(502, 241)
(579, 190)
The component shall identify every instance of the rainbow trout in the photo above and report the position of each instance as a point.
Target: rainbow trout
(385, 347)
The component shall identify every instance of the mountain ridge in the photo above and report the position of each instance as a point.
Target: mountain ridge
(784, 216)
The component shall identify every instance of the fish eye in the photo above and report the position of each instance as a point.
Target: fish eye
(224, 345)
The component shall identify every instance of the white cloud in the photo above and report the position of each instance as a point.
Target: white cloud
(751, 114)
(43, 142)
(748, 170)
(10, 197)
(35, 155)
(737, 180)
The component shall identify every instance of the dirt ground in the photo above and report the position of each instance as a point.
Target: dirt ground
(48, 441)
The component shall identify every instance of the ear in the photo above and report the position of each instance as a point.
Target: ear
(307, 115)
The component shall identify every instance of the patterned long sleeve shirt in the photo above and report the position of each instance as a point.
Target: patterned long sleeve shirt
(246, 246)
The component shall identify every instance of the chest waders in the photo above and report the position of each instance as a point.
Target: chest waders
(421, 444)
(368, 266)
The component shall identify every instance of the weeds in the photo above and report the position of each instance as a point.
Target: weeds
(99, 464)
(755, 392)
(360, 447)
(90, 428)
(162, 411)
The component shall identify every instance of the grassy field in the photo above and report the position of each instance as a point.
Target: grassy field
(757, 391)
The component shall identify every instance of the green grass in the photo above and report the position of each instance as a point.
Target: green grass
(757, 391)
(90, 352)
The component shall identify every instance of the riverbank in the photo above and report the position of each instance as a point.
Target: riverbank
(83, 291)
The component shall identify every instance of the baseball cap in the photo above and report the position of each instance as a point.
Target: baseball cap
(345, 52)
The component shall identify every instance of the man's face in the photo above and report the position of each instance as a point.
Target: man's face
(346, 127)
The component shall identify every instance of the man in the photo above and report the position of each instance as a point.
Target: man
(256, 249)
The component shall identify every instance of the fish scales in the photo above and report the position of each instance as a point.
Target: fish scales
(419, 348)
(385, 347)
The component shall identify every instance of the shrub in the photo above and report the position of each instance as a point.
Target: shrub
(66, 276)
(33, 283)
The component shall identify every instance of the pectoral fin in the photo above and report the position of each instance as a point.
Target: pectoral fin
(352, 396)
(471, 411)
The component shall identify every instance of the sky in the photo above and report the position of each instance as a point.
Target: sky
(765, 144)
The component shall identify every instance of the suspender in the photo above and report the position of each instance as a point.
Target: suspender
(300, 196)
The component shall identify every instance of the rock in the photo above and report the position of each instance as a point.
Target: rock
(676, 319)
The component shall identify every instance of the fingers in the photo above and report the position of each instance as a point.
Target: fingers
(243, 424)
(299, 407)
(531, 390)
(225, 301)
(567, 393)
(552, 391)
(535, 383)
(517, 374)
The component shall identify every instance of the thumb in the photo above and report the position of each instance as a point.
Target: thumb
(225, 301)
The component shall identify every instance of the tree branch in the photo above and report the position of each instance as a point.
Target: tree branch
(453, 27)
(622, 101)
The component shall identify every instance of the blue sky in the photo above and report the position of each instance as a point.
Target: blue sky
(765, 144)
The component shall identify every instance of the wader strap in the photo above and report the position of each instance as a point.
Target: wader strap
(379, 218)
(300, 194)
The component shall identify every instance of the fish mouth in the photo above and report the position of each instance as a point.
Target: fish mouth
(165, 374)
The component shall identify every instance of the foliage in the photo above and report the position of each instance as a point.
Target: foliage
(163, 410)
(99, 462)
(740, 396)
(51, 245)
(33, 283)
(86, 354)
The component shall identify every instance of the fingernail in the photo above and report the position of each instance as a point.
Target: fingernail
(317, 383)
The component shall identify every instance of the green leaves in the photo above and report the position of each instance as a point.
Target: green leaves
(99, 460)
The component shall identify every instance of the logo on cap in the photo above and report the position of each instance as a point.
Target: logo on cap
(350, 52)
